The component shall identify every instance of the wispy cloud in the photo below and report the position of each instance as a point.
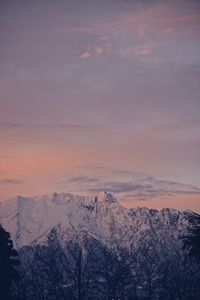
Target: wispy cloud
(96, 51)
(9, 181)
(28, 124)
(146, 189)
(132, 185)
(83, 179)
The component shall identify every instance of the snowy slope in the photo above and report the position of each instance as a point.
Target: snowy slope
(29, 220)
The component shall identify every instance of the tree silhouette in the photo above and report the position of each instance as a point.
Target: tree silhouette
(8, 264)
(191, 241)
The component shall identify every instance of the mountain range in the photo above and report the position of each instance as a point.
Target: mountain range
(29, 220)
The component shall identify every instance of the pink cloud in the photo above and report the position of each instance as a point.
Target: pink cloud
(85, 55)
(95, 51)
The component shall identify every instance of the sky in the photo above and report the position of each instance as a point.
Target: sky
(101, 95)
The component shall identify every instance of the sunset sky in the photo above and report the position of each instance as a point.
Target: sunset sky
(101, 95)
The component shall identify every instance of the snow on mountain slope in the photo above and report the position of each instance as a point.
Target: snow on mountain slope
(29, 220)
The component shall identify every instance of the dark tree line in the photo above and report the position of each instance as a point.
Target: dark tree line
(9, 262)
(85, 269)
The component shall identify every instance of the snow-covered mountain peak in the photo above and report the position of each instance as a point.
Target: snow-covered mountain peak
(107, 198)
(31, 219)
(105, 201)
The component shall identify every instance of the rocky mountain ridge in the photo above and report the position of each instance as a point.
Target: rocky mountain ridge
(29, 220)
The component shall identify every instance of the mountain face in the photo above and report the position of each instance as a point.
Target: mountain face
(29, 220)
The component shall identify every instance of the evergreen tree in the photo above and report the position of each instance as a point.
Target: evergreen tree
(8, 264)
(191, 241)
